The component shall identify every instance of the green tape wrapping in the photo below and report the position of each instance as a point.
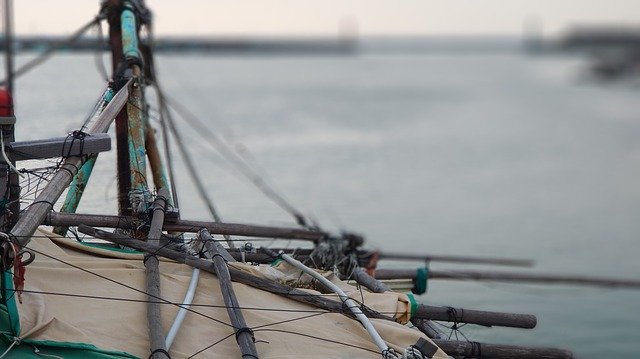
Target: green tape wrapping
(414, 304)
(420, 282)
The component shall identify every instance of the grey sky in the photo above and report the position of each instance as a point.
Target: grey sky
(322, 17)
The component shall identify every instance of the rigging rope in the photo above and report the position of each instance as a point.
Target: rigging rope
(44, 56)
(236, 160)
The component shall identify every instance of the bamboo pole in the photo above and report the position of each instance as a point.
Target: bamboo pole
(456, 259)
(154, 319)
(244, 335)
(95, 220)
(512, 277)
(498, 351)
(424, 311)
(37, 211)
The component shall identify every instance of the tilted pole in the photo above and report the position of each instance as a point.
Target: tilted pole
(81, 179)
(8, 44)
(244, 335)
(37, 211)
(154, 319)
(237, 229)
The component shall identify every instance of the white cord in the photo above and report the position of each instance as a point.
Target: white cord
(188, 299)
(16, 340)
(6, 159)
(355, 309)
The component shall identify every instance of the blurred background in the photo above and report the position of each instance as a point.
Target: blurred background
(496, 128)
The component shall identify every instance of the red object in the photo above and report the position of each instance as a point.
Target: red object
(6, 103)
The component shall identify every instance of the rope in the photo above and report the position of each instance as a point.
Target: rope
(159, 351)
(6, 158)
(44, 56)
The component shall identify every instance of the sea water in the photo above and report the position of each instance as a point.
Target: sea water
(499, 154)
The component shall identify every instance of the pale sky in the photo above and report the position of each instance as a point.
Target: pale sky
(322, 17)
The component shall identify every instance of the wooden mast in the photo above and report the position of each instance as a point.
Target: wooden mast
(122, 119)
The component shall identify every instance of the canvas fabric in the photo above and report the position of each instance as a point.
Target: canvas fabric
(113, 315)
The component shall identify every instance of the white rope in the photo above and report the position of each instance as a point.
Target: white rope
(188, 299)
(16, 340)
(6, 159)
(350, 303)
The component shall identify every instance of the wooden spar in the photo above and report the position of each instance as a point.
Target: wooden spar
(456, 259)
(512, 277)
(37, 211)
(192, 169)
(263, 258)
(154, 319)
(374, 285)
(479, 317)
(155, 162)
(498, 351)
(122, 119)
(94, 220)
(8, 45)
(139, 193)
(58, 146)
(424, 311)
(81, 179)
(212, 246)
(244, 336)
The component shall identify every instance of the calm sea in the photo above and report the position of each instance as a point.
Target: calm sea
(444, 152)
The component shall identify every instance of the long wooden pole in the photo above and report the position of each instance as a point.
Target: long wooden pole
(376, 286)
(497, 351)
(424, 311)
(154, 319)
(456, 259)
(95, 220)
(122, 119)
(512, 277)
(37, 211)
(8, 44)
(244, 336)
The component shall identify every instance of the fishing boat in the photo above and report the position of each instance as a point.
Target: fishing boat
(146, 282)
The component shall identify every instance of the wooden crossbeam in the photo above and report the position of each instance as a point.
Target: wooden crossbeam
(58, 147)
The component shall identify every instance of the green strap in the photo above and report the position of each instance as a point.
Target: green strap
(414, 304)
(420, 282)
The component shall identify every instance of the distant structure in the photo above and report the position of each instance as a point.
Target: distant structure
(345, 44)
(615, 49)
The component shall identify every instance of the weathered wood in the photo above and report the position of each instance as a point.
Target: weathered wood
(364, 279)
(95, 220)
(154, 318)
(498, 351)
(155, 162)
(428, 327)
(512, 277)
(236, 275)
(479, 317)
(59, 147)
(37, 211)
(424, 311)
(456, 259)
(211, 246)
(122, 119)
(244, 336)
